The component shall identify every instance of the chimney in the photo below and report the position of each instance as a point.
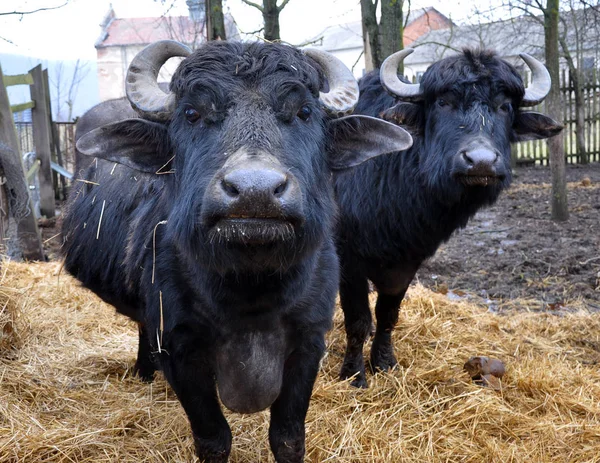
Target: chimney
(197, 9)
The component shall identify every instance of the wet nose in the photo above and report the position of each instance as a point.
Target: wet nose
(480, 161)
(255, 184)
(480, 156)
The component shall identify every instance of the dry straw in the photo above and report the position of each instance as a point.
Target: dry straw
(67, 393)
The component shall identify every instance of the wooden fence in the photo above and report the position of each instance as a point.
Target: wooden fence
(66, 147)
(535, 152)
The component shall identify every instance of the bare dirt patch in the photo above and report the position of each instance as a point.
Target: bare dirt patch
(512, 255)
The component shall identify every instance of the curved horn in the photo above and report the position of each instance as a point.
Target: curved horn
(343, 88)
(141, 85)
(539, 87)
(388, 74)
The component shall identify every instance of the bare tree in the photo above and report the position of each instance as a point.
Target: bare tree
(270, 11)
(382, 38)
(579, 34)
(548, 13)
(215, 20)
(208, 19)
(66, 87)
(556, 147)
(27, 12)
(21, 13)
(191, 31)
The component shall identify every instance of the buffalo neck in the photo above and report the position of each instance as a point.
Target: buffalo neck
(389, 198)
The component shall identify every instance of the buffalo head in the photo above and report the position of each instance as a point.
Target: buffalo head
(465, 112)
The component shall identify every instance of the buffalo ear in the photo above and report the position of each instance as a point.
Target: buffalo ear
(356, 139)
(136, 143)
(405, 114)
(530, 125)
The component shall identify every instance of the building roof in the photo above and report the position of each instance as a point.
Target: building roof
(141, 31)
(509, 38)
(349, 36)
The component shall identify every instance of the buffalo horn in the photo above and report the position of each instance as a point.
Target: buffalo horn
(343, 88)
(388, 74)
(539, 87)
(141, 84)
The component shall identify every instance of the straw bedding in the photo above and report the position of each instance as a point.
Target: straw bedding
(67, 393)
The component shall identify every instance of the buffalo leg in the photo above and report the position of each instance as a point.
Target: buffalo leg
(144, 366)
(392, 286)
(382, 350)
(288, 412)
(194, 384)
(354, 296)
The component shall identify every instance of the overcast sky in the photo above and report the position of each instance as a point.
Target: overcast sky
(71, 31)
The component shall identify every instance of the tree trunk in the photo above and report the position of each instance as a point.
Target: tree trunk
(271, 19)
(560, 211)
(30, 240)
(391, 26)
(215, 20)
(370, 28)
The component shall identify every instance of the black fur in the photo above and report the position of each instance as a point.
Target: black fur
(397, 209)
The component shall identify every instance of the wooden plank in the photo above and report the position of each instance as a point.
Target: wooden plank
(30, 240)
(19, 79)
(53, 135)
(41, 141)
(16, 108)
(33, 170)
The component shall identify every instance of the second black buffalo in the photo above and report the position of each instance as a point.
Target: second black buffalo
(396, 210)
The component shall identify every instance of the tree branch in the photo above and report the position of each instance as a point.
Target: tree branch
(357, 60)
(4, 13)
(283, 4)
(439, 44)
(255, 5)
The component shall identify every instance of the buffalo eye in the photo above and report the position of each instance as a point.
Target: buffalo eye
(304, 113)
(192, 115)
(506, 107)
(442, 103)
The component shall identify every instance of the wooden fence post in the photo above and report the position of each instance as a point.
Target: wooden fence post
(29, 235)
(41, 141)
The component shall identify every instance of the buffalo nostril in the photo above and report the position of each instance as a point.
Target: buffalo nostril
(480, 156)
(281, 188)
(466, 158)
(230, 188)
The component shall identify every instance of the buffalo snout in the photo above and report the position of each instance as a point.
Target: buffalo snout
(257, 190)
(479, 166)
(256, 185)
(254, 200)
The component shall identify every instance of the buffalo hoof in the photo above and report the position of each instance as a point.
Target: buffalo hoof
(382, 355)
(359, 377)
(144, 372)
(209, 451)
(290, 451)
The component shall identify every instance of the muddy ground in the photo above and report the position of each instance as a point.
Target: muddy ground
(513, 255)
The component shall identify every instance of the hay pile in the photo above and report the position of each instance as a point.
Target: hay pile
(67, 394)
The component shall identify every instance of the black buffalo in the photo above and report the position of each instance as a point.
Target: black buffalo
(213, 231)
(396, 210)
